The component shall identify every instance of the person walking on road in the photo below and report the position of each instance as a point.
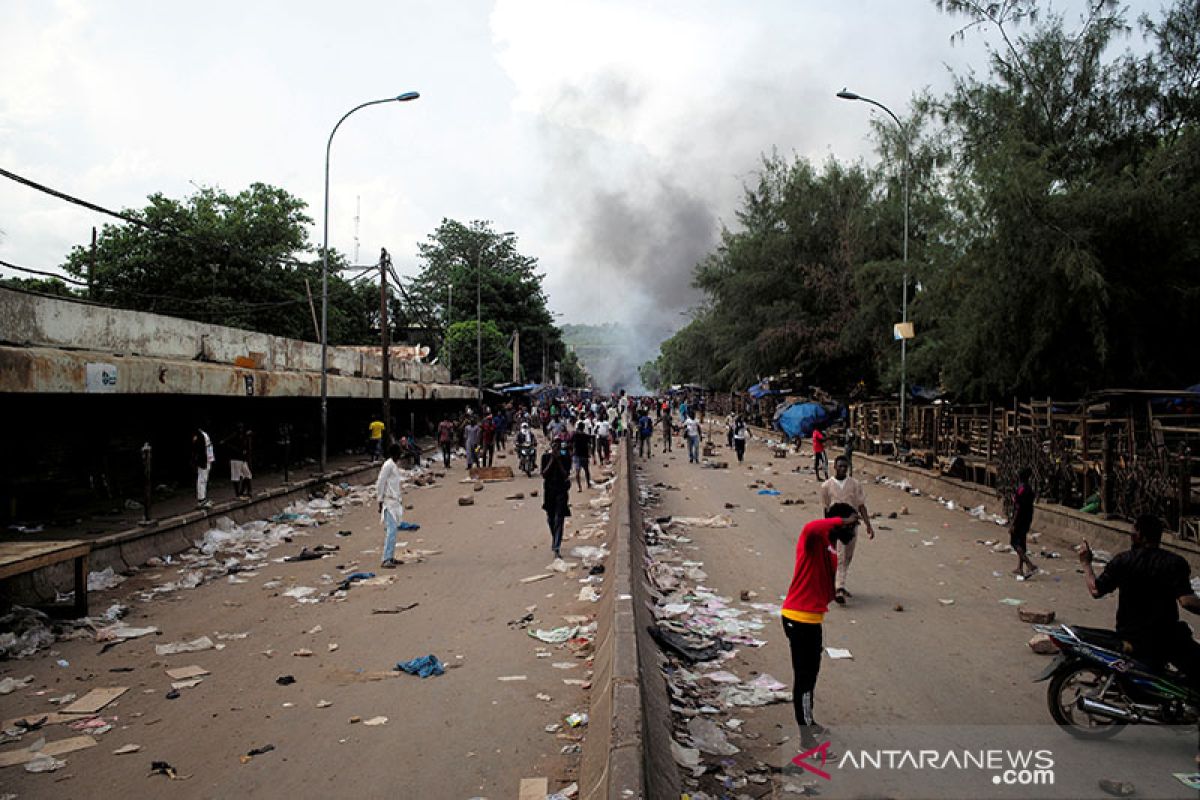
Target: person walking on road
(446, 439)
(472, 438)
(239, 445)
(645, 427)
(375, 440)
(581, 446)
(820, 459)
(668, 426)
(603, 439)
(202, 459)
(740, 433)
(556, 489)
(805, 606)
(488, 429)
(691, 431)
(1022, 522)
(391, 504)
(842, 489)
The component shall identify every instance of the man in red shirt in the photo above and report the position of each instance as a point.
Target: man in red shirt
(820, 459)
(807, 601)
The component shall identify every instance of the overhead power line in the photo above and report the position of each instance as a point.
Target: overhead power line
(70, 199)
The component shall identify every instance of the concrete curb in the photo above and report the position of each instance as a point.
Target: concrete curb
(132, 547)
(628, 750)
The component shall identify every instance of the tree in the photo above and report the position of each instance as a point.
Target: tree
(572, 372)
(228, 259)
(497, 358)
(51, 286)
(458, 259)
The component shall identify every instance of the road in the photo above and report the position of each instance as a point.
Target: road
(937, 659)
(460, 735)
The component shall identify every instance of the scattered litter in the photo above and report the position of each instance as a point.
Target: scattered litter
(10, 685)
(716, 521)
(285, 680)
(838, 653)
(1011, 601)
(769, 493)
(44, 763)
(126, 749)
(303, 652)
(425, 666)
(190, 683)
(184, 673)
(545, 698)
(163, 768)
(1035, 616)
(686, 757)
(121, 632)
(555, 636)
(946, 601)
(536, 578)
(394, 609)
(375, 721)
(105, 579)
(43, 749)
(95, 700)
(576, 720)
(194, 646)
(510, 678)
(324, 703)
(708, 738)
(299, 592)
(590, 594)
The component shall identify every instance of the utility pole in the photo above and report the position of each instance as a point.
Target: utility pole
(385, 261)
(92, 265)
(545, 350)
(516, 372)
(446, 338)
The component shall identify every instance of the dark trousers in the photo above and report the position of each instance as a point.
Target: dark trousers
(805, 641)
(1175, 647)
(666, 440)
(446, 453)
(555, 518)
(739, 446)
(489, 450)
(644, 446)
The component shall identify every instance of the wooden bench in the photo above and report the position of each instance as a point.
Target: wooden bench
(18, 558)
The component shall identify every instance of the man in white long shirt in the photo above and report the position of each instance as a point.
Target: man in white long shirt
(841, 488)
(391, 504)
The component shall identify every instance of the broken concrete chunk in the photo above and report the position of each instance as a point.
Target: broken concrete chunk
(1035, 616)
(1043, 645)
(466, 500)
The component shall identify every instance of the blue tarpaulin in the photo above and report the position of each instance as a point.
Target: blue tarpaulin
(759, 390)
(800, 419)
(529, 387)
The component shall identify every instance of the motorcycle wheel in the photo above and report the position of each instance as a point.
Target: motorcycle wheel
(1065, 689)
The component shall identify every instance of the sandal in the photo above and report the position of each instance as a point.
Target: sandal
(839, 597)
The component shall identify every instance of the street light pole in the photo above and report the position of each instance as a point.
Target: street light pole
(403, 98)
(846, 95)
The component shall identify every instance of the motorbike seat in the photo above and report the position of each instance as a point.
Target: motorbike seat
(1101, 637)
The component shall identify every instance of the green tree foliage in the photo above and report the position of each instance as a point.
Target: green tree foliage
(463, 259)
(572, 372)
(497, 358)
(1053, 244)
(51, 286)
(225, 259)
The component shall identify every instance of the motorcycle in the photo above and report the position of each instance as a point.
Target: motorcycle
(527, 455)
(1096, 689)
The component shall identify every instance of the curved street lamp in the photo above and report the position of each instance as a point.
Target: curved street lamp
(403, 98)
(848, 95)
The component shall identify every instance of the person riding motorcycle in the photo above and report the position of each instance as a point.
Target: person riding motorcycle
(525, 437)
(1154, 584)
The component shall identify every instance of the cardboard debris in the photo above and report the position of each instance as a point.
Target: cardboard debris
(536, 578)
(95, 700)
(61, 747)
(184, 673)
(492, 474)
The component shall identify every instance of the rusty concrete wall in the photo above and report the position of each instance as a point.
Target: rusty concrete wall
(29, 320)
(43, 370)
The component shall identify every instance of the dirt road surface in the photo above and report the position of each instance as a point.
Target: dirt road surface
(938, 660)
(460, 735)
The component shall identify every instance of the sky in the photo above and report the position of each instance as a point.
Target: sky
(612, 137)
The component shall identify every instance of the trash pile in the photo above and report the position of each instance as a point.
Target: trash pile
(699, 631)
(979, 512)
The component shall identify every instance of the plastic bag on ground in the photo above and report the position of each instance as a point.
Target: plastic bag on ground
(26, 631)
(555, 636)
(591, 556)
(194, 646)
(715, 521)
(105, 579)
(710, 739)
